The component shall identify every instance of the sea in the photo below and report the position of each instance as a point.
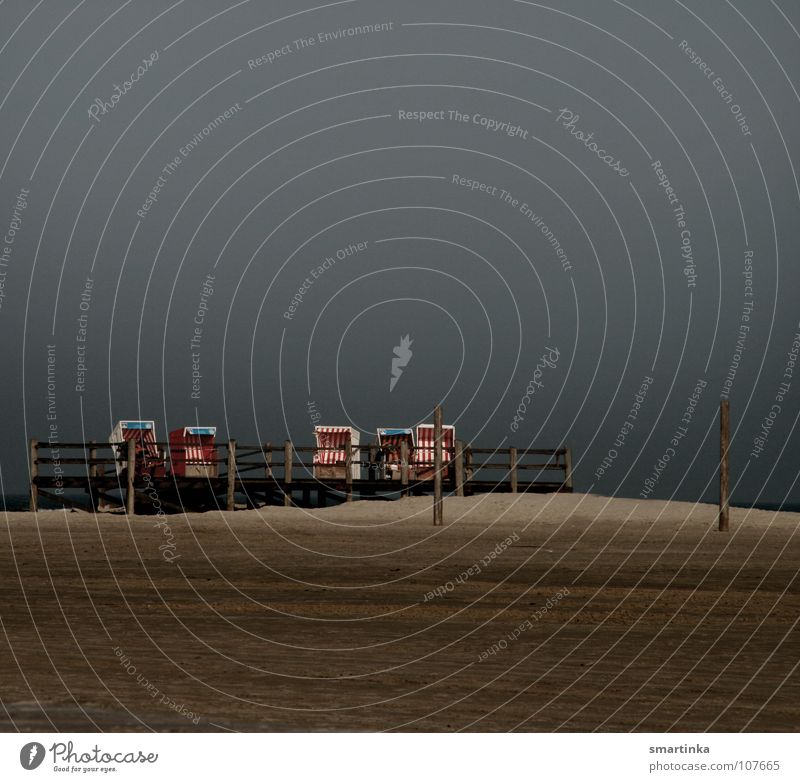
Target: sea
(20, 502)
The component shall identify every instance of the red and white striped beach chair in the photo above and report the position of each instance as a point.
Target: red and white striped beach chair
(390, 441)
(423, 457)
(193, 453)
(330, 460)
(148, 456)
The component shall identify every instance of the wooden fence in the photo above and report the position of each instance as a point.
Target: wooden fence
(93, 475)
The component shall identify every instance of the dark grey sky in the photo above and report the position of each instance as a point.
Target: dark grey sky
(522, 213)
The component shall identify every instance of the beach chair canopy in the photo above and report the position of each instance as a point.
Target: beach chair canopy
(390, 440)
(334, 437)
(423, 453)
(392, 437)
(193, 444)
(200, 431)
(134, 426)
(142, 431)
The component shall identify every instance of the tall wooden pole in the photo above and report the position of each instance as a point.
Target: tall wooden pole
(512, 453)
(372, 469)
(230, 494)
(268, 461)
(348, 471)
(568, 469)
(403, 468)
(288, 453)
(438, 506)
(724, 450)
(94, 470)
(130, 495)
(34, 499)
(459, 459)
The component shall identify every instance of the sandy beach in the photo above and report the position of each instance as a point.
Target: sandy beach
(535, 613)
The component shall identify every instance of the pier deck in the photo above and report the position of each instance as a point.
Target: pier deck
(94, 476)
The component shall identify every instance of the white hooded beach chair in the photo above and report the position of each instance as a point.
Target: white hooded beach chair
(330, 458)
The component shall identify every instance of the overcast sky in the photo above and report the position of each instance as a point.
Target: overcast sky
(583, 215)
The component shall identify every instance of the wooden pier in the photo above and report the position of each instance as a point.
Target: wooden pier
(93, 476)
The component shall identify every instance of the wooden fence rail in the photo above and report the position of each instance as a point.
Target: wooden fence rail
(270, 474)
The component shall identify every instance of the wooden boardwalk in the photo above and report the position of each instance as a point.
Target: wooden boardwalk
(94, 476)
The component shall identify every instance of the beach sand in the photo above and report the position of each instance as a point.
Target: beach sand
(536, 613)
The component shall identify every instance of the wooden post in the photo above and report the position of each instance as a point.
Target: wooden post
(130, 472)
(512, 452)
(94, 469)
(724, 449)
(403, 468)
(438, 508)
(94, 472)
(34, 500)
(372, 470)
(469, 473)
(459, 459)
(348, 470)
(268, 461)
(287, 473)
(568, 469)
(230, 495)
